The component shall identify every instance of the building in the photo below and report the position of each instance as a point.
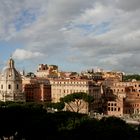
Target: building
(115, 75)
(48, 71)
(36, 89)
(11, 84)
(63, 87)
(115, 108)
(132, 100)
(122, 98)
(37, 92)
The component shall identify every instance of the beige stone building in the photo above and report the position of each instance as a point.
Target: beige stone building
(115, 107)
(11, 84)
(115, 75)
(63, 87)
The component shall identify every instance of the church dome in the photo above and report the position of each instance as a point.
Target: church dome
(10, 73)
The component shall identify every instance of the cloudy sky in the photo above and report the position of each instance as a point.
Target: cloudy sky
(74, 34)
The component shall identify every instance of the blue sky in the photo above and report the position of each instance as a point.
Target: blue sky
(75, 35)
(7, 50)
(25, 18)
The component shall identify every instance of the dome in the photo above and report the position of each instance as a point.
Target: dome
(10, 73)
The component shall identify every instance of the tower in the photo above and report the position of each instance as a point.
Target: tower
(11, 83)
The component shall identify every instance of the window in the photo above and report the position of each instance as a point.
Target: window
(9, 86)
(17, 86)
(1, 86)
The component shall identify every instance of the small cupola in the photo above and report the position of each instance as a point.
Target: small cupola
(10, 63)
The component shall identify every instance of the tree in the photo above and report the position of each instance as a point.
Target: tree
(59, 105)
(76, 102)
(130, 77)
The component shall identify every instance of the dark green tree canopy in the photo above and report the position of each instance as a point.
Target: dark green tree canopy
(59, 105)
(77, 96)
(130, 77)
(76, 100)
(31, 121)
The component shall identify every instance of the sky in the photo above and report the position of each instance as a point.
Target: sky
(74, 34)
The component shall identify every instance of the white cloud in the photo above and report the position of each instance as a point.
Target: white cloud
(24, 54)
(59, 30)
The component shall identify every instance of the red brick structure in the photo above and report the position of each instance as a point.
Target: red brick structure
(126, 98)
(37, 92)
(36, 89)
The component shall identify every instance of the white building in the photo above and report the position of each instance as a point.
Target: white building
(11, 84)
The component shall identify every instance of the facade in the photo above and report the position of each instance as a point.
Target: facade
(132, 100)
(63, 87)
(48, 71)
(37, 92)
(115, 75)
(36, 89)
(115, 108)
(126, 97)
(11, 84)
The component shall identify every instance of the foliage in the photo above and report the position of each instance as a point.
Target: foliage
(130, 77)
(106, 128)
(59, 105)
(77, 99)
(30, 121)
